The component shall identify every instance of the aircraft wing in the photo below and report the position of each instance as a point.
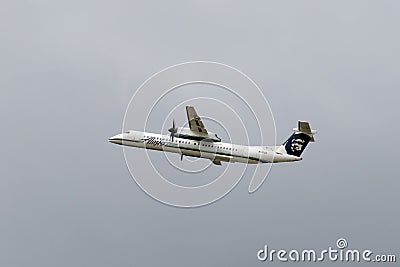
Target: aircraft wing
(195, 123)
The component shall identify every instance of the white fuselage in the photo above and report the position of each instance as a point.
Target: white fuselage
(204, 149)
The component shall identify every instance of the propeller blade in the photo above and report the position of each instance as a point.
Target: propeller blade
(181, 157)
(172, 130)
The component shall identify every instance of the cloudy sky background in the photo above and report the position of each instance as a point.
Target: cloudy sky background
(69, 68)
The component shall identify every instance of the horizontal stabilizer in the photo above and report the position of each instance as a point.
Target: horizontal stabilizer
(304, 127)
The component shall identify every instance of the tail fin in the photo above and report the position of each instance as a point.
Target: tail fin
(298, 141)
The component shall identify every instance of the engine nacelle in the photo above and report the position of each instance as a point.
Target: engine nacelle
(189, 134)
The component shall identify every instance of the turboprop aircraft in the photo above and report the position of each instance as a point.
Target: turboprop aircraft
(196, 141)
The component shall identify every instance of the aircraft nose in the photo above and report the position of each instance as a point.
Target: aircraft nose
(116, 139)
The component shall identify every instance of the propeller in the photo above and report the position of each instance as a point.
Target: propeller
(173, 130)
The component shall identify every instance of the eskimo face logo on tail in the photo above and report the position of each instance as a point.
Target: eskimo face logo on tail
(296, 144)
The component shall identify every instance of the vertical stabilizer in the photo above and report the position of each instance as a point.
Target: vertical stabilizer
(298, 141)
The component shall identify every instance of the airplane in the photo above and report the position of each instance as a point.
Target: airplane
(197, 141)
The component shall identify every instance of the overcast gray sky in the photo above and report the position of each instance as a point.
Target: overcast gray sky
(69, 68)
